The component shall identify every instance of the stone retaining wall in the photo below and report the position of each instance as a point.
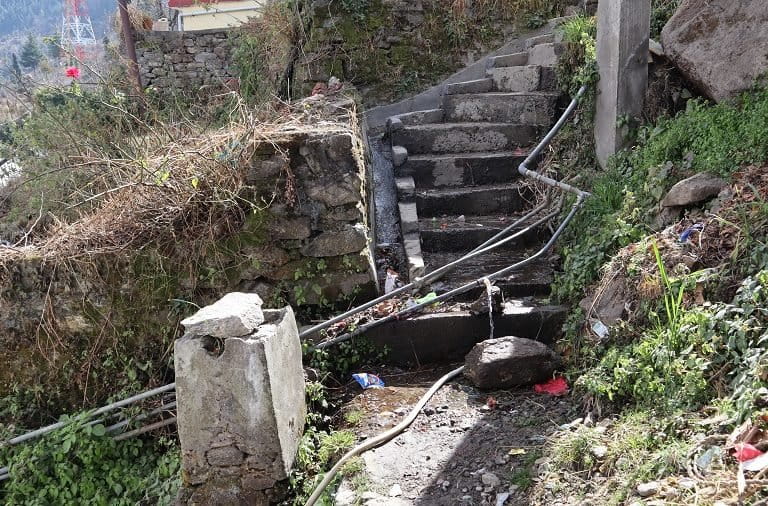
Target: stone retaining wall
(185, 60)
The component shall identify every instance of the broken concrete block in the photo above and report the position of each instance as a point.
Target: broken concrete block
(508, 362)
(234, 315)
(241, 409)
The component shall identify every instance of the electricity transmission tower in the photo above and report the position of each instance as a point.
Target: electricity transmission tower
(76, 29)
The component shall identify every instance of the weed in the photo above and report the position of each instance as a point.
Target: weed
(354, 417)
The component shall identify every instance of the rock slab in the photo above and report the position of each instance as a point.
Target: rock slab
(694, 189)
(719, 45)
(508, 362)
(234, 315)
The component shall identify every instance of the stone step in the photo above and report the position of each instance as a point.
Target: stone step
(419, 117)
(545, 54)
(465, 137)
(523, 78)
(546, 38)
(413, 255)
(476, 86)
(535, 279)
(510, 60)
(463, 233)
(504, 198)
(534, 108)
(463, 169)
(442, 337)
(406, 188)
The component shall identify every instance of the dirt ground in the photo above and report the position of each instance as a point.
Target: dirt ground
(467, 447)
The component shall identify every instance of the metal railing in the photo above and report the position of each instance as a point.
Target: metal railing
(501, 238)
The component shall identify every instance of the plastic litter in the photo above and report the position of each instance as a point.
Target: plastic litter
(745, 452)
(556, 386)
(391, 282)
(367, 380)
(704, 461)
(756, 464)
(600, 329)
(698, 227)
(426, 298)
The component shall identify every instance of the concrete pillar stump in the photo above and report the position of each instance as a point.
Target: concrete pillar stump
(240, 398)
(623, 30)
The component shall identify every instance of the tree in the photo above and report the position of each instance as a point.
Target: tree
(15, 68)
(53, 46)
(31, 54)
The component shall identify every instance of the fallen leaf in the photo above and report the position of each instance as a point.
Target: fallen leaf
(517, 451)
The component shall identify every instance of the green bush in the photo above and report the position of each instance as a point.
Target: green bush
(719, 349)
(80, 464)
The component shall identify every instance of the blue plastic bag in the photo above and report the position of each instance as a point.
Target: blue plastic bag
(368, 380)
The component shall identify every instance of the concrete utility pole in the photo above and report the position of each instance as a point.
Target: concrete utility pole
(623, 30)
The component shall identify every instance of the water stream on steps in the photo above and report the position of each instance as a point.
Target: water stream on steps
(489, 291)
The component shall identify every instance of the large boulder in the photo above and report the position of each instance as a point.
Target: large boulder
(509, 362)
(719, 45)
(693, 190)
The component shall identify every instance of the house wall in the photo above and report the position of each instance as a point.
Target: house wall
(222, 15)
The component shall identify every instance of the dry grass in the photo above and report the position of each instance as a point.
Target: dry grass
(183, 181)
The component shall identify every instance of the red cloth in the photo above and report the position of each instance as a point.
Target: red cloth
(556, 386)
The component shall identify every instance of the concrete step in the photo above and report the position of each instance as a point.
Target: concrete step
(545, 54)
(465, 137)
(406, 188)
(476, 86)
(463, 169)
(546, 38)
(463, 233)
(535, 108)
(448, 336)
(505, 198)
(419, 117)
(535, 279)
(413, 255)
(523, 78)
(510, 60)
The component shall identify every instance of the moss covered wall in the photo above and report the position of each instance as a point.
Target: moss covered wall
(393, 48)
(76, 332)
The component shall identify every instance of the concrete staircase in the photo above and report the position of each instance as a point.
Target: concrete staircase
(458, 185)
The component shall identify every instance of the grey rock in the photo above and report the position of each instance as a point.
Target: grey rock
(719, 45)
(491, 480)
(333, 192)
(350, 239)
(647, 489)
(509, 361)
(234, 315)
(290, 228)
(225, 456)
(694, 189)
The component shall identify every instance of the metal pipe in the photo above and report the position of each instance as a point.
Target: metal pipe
(145, 429)
(143, 416)
(381, 438)
(115, 405)
(419, 281)
(457, 291)
(523, 168)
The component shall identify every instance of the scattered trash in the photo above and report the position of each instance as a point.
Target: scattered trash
(517, 451)
(461, 219)
(426, 298)
(698, 227)
(502, 498)
(745, 451)
(704, 461)
(556, 386)
(600, 329)
(385, 308)
(367, 380)
(390, 283)
(756, 464)
(491, 402)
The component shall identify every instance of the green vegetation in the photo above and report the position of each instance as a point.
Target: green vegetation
(80, 464)
(31, 54)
